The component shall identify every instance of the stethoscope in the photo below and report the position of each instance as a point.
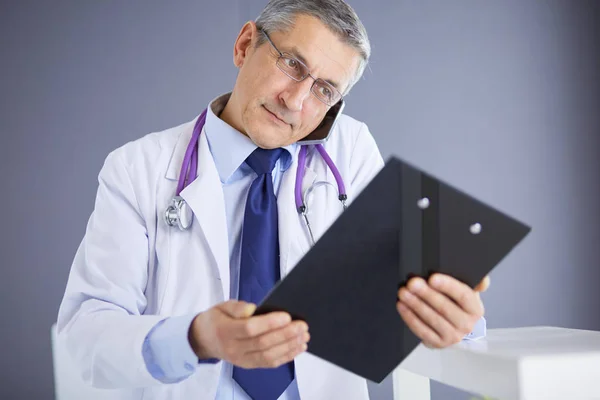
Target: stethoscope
(179, 214)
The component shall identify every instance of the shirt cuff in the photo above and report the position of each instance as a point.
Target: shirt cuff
(167, 352)
(479, 331)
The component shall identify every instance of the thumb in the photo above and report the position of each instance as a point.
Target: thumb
(238, 309)
(483, 285)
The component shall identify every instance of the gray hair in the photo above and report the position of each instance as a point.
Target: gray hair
(339, 17)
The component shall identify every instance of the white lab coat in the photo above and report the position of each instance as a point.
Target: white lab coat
(132, 270)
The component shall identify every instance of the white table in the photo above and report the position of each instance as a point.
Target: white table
(534, 363)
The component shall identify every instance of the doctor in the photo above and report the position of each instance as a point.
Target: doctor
(163, 313)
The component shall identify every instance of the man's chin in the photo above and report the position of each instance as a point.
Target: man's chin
(271, 141)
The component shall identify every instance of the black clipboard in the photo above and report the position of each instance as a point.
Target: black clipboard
(404, 223)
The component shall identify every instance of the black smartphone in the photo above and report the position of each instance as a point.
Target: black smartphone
(322, 132)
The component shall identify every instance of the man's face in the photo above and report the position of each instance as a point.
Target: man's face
(270, 107)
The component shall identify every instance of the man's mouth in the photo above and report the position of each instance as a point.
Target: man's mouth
(275, 116)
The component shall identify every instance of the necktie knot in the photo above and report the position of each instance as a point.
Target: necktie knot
(263, 161)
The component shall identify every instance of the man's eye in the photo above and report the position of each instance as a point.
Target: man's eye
(292, 63)
(325, 91)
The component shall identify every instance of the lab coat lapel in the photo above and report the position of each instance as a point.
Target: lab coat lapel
(291, 227)
(205, 197)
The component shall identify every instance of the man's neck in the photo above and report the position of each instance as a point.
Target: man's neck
(229, 114)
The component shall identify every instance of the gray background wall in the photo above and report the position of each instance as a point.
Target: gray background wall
(498, 98)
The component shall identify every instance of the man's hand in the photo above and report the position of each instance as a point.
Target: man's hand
(441, 311)
(229, 332)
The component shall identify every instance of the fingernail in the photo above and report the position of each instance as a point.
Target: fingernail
(402, 307)
(284, 319)
(416, 284)
(406, 295)
(437, 280)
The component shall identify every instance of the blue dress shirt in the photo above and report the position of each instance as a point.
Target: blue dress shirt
(167, 352)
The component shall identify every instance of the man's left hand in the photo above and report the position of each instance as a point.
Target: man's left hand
(442, 310)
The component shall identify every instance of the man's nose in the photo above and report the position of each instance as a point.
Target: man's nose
(296, 93)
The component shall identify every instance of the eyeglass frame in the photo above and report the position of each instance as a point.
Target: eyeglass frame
(290, 56)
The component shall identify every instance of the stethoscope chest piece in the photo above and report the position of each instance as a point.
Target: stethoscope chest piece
(179, 214)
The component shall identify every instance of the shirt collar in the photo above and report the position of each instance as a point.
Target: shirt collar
(229, 147)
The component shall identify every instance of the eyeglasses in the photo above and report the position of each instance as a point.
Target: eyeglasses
(298, 71)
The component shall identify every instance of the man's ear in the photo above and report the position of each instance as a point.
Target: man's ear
(244, 44)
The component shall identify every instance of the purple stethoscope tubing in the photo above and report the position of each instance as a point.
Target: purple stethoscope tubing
(191, 155)
(189, 167)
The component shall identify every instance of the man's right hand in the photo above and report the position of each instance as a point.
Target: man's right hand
(229, 332)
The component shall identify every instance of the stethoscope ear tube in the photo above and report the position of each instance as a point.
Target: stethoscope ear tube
(304, 210)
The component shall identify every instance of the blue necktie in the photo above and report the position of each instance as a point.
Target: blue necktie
(259, 268)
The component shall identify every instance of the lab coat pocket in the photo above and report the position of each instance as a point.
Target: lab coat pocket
(190, 277)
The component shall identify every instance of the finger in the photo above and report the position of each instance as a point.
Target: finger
(444, 329)
(255, 326)
(277, 355)
(429, 337)
(296, 330)
(462, 294)
(237, 309)
(440, 305)
(483, 285)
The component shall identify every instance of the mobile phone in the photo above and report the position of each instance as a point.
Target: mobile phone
(322, 132)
